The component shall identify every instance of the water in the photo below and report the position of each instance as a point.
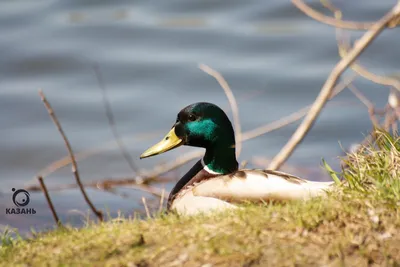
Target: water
(274, 57)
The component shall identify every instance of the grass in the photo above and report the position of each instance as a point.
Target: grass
(356, 225)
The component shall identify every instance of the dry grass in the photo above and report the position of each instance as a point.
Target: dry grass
(363, 231)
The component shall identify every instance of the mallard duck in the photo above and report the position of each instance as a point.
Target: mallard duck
(215, 182)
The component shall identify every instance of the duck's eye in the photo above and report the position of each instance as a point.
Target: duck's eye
(192, 117)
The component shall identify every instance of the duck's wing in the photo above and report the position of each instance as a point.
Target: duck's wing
(256, 185)
(189, 204)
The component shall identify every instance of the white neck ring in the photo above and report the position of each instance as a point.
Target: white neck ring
(207, 169)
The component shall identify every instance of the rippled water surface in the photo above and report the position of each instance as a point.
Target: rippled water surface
(274, 57)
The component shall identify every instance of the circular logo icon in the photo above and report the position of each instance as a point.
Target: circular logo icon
(20, 197)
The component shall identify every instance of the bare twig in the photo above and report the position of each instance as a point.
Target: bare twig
(344, 47)
(109, 183)
(390, 119)
(232, 102)
(379, 79)
(326, 90)
(350, 25)
(114, 191)
(49, 202)
(150, 190)
(58, 164)
(111, 121)
(106, 185)
(161, 201)
(360, 96)
(98, 213)
(367, 103)
(146, 208)
(174, 164)
(275, 125)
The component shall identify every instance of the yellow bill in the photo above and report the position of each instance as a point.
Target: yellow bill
(170, 141)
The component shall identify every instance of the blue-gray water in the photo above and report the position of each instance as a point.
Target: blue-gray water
(274, 57)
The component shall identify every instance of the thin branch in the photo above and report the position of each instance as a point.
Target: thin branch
(360, 96)
(111, 121)
(114, 192)
(275, 125)
(49, 202)
(109, 183)
(146, 208)
(349, 25)
(344, 47)
(390, 119)
(141, 187)
(174, 164)
(58, 164)
(98, 213)
(326, 90)
(379, 79)
(150, 190)
(232, 102)
(106, 185)
(367, 103)
(161, 201)
(388, 113)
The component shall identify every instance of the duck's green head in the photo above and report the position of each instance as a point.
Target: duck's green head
(200, 125)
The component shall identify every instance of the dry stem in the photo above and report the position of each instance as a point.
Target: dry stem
(55, 165)
(49, 202)
(367, 103)
(106, 185)
(111, 121)
(98, 213)
(161, 200)
(146, 208)
(349, 25)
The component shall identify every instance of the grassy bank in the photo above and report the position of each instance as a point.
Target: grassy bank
(356, 225)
